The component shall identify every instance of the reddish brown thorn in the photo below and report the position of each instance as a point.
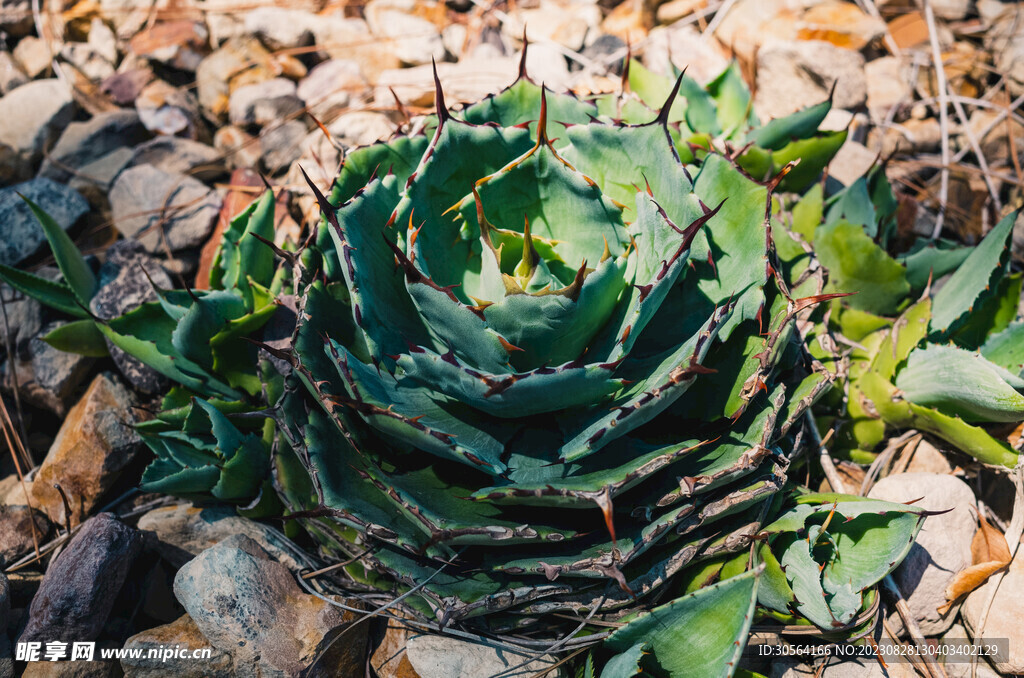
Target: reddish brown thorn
(442, 110)
(666, 108)
(508, 346)
(522, 59)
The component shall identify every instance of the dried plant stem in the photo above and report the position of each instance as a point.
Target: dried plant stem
(940, 76)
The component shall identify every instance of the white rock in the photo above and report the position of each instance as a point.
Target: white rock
(280, 28)
(360, 128)
(951, 10)
(943, 546)
(33, 55)
(851, 162)
(331, 87)
(546, 64)
(683, 47)
(87, 59)
(342, 38)
(34, 115)
(887, 85)
(263, 102)
(414, 40)
(794, 75)
(445, 657)
(567, 23)
(11, 75)
(103, 40)
(469, 80)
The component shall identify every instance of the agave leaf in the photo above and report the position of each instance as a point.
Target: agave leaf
(733, 102)
(814, 155)
(242, 257)
(896, 411)
(993, 314)
(1006, 348)
(56, 295)
(856, 264)
(398, 156)
(79, 336)
(929, 259)
(961, 383)
(77, 273)
(626, 664)
(980, 272)
(693, 102)
(723, 612)
(777, 133)
(519, 103)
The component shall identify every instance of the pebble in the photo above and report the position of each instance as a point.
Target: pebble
(565, 23)
(95, 443)
(1004, 617)
(331, 87)
(34, 115)
(16, 534)
(467, 81)
(215, 72)
(180, 44)
(794, 75)
(887, 86)
(414, 40)
(433, 656)
(34, 56)
(145, 198)
(179, 155)
(124, 87)
(102, 39)
(123, 286)
(546, 64)
(20, 232)
(282, 145)
(361, 128)
(264, 102)
(168, 110)
(851, 162)
(81, 584)
(928, 459)
(184, 531)
(49, 377)
(240, 149)
(250, 606)
(16, 17)
(1006, 41)
(280, 28)
(88, 60)
(943, 546)
(182, 632)
(683, 46)
(11, 75)
(24, 318)
(82, 143)
(341, 38)
(958, 637)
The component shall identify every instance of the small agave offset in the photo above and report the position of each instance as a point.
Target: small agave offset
(541, 362)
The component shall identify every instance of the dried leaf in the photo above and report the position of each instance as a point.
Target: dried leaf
(989, 554)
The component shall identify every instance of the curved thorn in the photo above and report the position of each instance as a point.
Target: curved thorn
(666, 108)
(624, 84)
(266, 183)
(325, 205)
(523, 75)
(442, 110)
(542, 122)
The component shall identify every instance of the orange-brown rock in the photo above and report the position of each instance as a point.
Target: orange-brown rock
(95, 443)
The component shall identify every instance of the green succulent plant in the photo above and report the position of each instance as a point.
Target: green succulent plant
(545, 361)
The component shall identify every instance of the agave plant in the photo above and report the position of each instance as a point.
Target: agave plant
(544, 361)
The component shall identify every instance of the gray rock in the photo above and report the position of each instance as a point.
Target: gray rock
(282, 145)
(943, 546)
(12, 167)
(145, 201)
(124, 287)
(264, 102)
(1006, 41)
(94, 179)
(957, 662)
(24, 319)
(77, 669)
(887, 86)
(793, 75)
(281, 28)
(600, 49)
(83, 143)
(248, 605)
(214, 73)
(184, 531)
(178, 155)
(446, 657)
(20, 232)
(11, 75)
(331, 87)
(34, 115)
(240, 149)
(16, 535)
(6, 656)
(81, 584)
(48, 377)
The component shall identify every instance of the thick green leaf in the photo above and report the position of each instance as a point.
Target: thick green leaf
(980, 272)
(856, 264)
(1006, 348)
(79, 336)
(722, 612)
(53, 294)
(72, 265)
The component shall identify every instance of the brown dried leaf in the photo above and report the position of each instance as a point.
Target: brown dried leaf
(989, 554)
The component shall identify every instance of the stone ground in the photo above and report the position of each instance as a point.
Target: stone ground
(141, 127)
